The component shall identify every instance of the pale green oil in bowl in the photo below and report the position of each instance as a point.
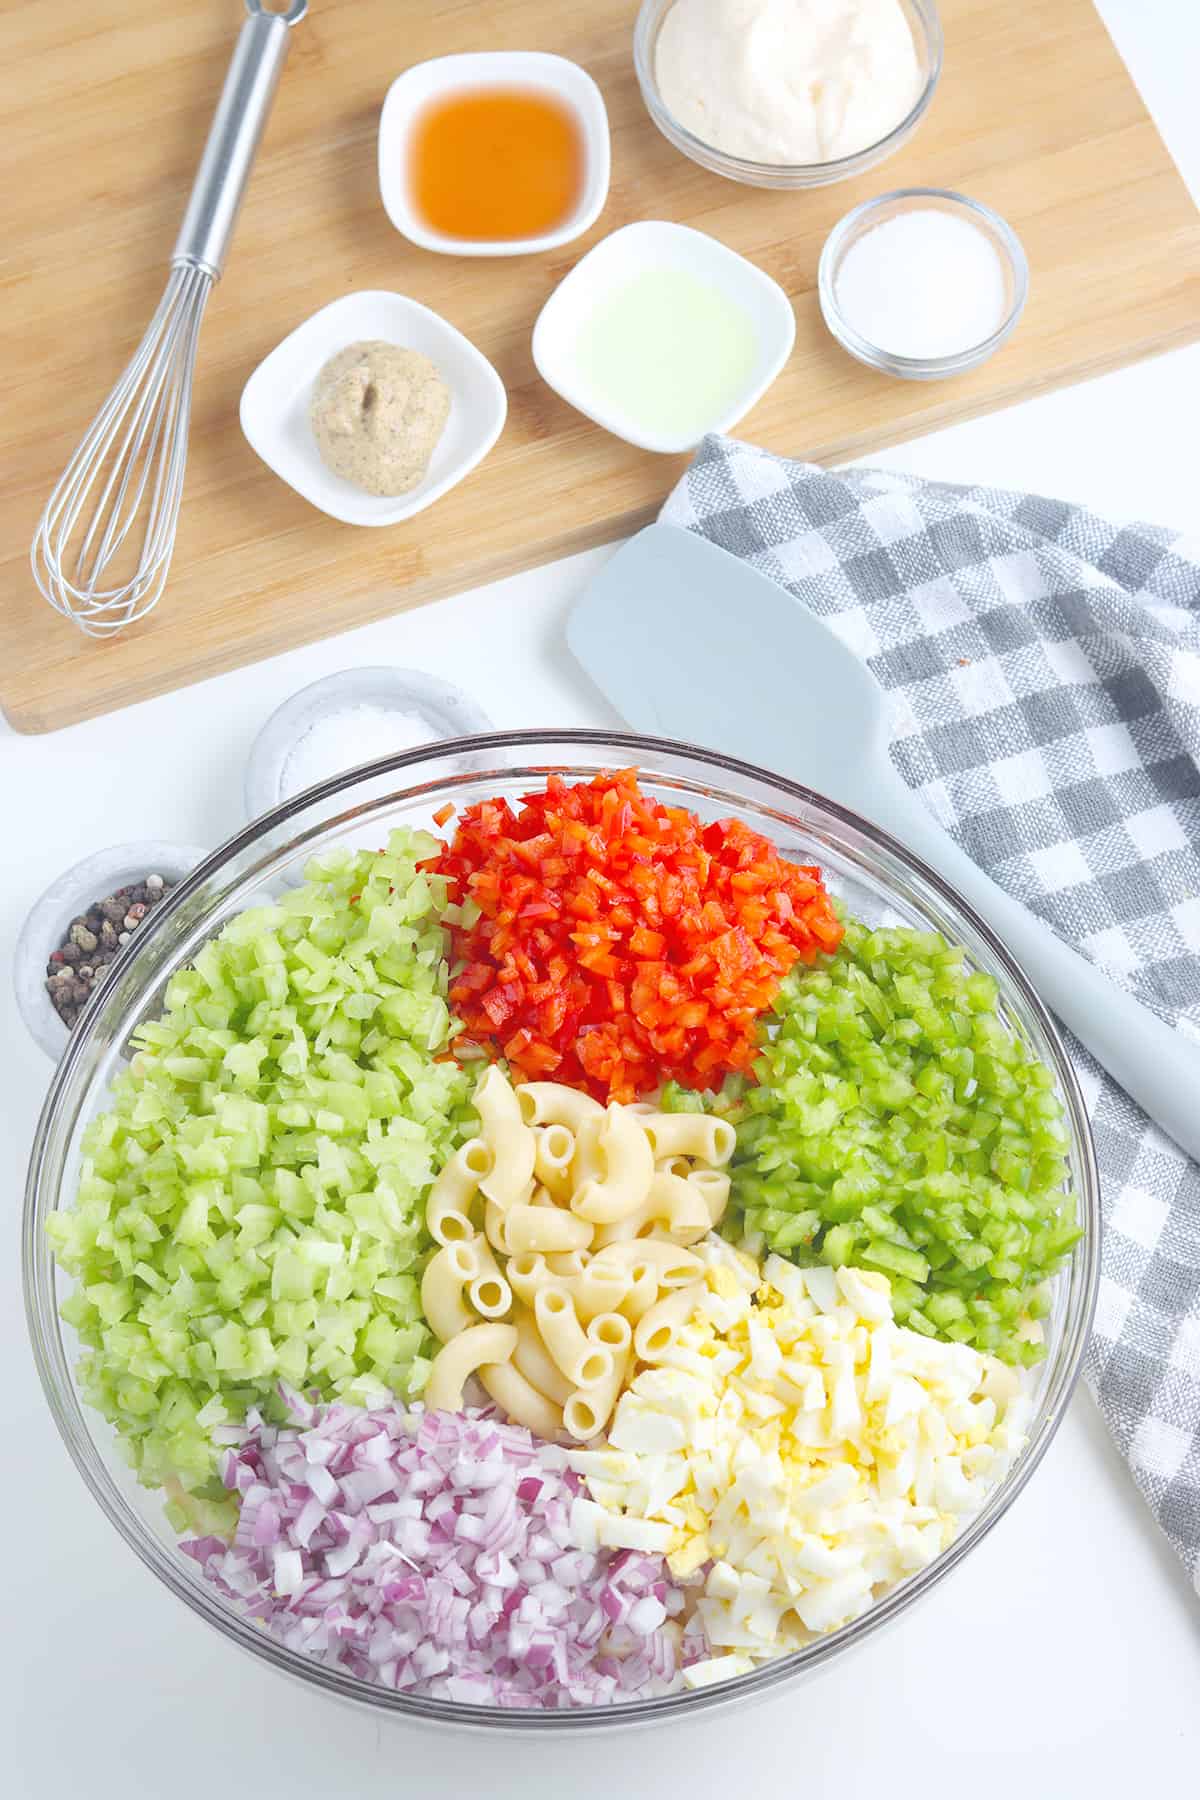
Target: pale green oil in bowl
(669, 352)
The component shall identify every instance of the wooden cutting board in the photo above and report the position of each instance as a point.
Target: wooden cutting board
(105, 112)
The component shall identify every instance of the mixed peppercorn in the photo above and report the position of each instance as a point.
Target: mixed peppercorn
(92, 941)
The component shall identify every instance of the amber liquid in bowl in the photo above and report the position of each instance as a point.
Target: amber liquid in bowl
(503, 163)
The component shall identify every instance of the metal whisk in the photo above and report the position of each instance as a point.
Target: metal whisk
(119, 495)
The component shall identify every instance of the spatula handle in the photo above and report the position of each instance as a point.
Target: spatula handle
(1154, 1063)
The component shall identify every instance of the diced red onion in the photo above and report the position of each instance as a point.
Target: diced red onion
(432, 1552)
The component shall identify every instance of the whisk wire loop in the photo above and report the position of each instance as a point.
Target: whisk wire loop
(136, 447)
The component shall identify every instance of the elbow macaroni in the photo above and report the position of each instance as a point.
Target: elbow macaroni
(698, 1135)
(534, 1361)
(642, 1291)
(676, 1267)
(549, 1103)
(494, 1227)
(528, 1275)
(600, 1288)
(611, 1332)
(589, 1410)
(671, 1201)
(586, 1163)
(714, 1185)
(521, 1400)
(580, 1266)
(657, 1330)
(583, 1362)
(679, 1204)
(508, 1138)
(489, 1292)
(471, 1350)
(545, 1228)
(554, 1149)
(448, 1209)
(627, 1170)
(446, 1275)
(567, 1263)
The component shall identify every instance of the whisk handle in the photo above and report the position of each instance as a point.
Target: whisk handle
(233, 136)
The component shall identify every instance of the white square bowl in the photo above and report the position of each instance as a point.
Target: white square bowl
(275, 404)
(616, 259)
(411, 92)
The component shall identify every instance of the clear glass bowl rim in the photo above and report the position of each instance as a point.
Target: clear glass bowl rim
(874, 355)
(38, 1269)
(649, 18)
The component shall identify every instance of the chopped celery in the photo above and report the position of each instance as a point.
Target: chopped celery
(894, 1259)
(895, 1108)
(251, 1207)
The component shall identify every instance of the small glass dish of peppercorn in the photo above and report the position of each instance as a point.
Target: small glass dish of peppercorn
(79, 926)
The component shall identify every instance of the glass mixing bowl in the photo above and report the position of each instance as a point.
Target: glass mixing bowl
(877, 879)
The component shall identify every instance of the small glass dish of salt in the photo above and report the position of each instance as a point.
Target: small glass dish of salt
(922, 282)
(345, 720)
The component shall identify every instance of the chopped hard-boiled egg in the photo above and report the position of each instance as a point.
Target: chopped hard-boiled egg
(800, 1448)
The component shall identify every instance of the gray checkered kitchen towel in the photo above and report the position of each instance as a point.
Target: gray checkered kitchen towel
(1043, 670)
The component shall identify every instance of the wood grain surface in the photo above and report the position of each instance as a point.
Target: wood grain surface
(106, 109)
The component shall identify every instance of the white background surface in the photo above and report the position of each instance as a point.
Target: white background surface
(1062, 1660)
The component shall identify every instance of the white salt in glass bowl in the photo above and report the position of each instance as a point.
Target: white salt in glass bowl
(275, 404)
(875, 877)
(922, 16)
(532, 70)
(634, 250)
(408, 693)
(861, 219)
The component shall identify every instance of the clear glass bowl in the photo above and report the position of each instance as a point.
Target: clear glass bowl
(869, 870)
(926, 28)
(864, 218)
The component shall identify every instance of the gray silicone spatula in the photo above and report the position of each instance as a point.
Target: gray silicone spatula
(688, 642)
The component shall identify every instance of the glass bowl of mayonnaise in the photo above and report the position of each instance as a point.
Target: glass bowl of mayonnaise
(787, 93)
